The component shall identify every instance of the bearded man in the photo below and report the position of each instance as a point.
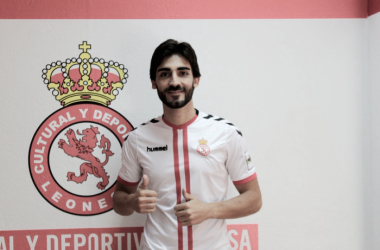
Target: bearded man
(184, 159)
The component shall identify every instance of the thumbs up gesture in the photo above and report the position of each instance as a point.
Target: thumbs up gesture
(144, 200)
(192, 211)
(144, 184)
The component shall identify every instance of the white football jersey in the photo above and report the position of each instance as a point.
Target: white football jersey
(198, 156)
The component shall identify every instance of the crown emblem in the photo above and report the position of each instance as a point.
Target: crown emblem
(85, 79)
(202, 141)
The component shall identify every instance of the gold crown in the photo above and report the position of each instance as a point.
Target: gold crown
(202, 141)
(85, 79)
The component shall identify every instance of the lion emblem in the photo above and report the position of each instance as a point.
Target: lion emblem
(83, 149)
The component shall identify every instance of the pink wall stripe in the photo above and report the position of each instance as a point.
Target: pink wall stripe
(182, 9)
(118, 238)
(373, 6)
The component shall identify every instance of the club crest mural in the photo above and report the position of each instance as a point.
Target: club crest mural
(75, 154)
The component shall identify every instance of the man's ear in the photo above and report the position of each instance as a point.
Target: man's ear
(154, 85)
(196, 81)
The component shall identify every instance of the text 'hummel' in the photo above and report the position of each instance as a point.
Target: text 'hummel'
(148, 149)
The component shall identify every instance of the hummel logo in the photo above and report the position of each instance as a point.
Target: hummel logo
(148, 149)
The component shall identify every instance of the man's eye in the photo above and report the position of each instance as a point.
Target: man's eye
(164, 74)
(183, 73)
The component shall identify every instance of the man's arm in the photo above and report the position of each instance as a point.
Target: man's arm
(128, 199)
(194, 211)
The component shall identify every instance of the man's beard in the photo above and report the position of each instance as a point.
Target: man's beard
(176, 103)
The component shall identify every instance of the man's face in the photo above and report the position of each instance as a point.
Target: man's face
(175, 82)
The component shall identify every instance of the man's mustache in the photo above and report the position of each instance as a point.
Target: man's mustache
(175, 88)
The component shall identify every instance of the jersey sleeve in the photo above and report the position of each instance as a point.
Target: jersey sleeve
(239, 163)
(130, 172)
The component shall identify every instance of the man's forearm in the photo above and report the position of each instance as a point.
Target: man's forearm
(244, 204)
(122, 204)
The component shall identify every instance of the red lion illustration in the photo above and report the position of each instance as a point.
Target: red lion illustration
(83, 149)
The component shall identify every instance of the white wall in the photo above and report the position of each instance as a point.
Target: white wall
(374, 58)
(296, 89)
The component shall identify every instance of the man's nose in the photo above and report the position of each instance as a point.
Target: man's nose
(174, 79)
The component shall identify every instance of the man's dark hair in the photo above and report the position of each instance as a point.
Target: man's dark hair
(172, 47)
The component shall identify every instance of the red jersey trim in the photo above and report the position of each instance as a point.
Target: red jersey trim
(179, 126)
(187, 178)
(178, 185)
(248, 179)
(127, 183)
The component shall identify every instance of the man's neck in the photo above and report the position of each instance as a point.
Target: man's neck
(179, 116)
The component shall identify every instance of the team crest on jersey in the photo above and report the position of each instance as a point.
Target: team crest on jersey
(203, 148)
(75, 154)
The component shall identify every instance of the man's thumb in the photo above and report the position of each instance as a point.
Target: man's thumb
(187, 195)
(145, 182)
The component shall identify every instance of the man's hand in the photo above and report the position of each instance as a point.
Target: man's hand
(144, 200)
(193, 211)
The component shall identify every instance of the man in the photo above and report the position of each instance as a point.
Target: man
(184, 158)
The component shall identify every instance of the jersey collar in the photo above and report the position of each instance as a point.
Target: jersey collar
(183, 125)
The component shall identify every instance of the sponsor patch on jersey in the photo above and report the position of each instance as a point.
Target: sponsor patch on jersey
(203, 148)
(248, 160)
